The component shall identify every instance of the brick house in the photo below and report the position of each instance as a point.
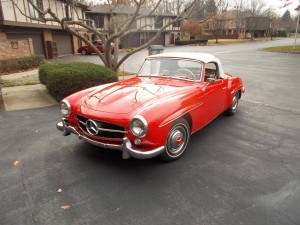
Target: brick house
(21, 35)
(101, 14)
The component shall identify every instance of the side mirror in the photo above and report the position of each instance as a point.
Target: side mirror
(211, 80)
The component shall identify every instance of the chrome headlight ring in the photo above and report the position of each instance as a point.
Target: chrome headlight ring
(138, 126)
(65, 108)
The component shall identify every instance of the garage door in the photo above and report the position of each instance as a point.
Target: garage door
(37, 41)
(160, 39)
(131, 40)
(63, 43)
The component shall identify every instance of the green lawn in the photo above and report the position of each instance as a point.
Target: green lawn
(21, 81)
(287, 49)
(233, 41)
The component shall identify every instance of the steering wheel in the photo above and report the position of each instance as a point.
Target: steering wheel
(185, 72)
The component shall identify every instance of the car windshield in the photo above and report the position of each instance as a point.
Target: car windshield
(97, 43)
(171, 67)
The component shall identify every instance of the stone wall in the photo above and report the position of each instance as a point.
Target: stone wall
(15, 48)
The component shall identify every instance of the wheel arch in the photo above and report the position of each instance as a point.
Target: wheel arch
(186, 117)
(240, 93)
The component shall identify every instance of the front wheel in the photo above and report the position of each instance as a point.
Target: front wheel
(234, 104)
(84, 52)
(177, 141)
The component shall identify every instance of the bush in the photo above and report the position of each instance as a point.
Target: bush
(189, 42)
(23, 63)
(281, 33)
(63, 79)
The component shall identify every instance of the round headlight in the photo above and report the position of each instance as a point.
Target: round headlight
(65, 108)
(139, 126)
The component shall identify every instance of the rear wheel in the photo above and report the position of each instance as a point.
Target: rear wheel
(177, 140)
(84, 52)
(234, 104)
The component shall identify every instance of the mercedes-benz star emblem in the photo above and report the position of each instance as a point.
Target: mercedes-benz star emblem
(92, 127)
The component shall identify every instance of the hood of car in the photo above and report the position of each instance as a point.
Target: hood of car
(126, 96)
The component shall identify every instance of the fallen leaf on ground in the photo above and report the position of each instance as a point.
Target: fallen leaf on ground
(65, 207)
(15, 163)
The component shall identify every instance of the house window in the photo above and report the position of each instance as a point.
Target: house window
(159, 22)
(66, 8)
(176, 24)
(98, 19)
(33, 12)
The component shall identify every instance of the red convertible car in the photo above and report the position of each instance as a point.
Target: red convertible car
(154, 113)
(87, 50)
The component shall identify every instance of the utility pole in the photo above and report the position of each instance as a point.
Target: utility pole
(296, 32)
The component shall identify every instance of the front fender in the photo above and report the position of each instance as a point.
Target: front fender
(161, 115)
(237, 85)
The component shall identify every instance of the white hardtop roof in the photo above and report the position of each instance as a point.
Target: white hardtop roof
(203, 57)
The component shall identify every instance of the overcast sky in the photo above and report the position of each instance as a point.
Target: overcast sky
(278, 3)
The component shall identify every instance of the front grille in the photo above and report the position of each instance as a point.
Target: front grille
(105, 129)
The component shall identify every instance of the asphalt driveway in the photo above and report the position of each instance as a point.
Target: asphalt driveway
(243, 169)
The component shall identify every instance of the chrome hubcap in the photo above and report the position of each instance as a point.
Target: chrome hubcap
(177, 140)
(234, 102)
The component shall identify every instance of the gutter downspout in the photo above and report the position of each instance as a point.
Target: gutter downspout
(1, 13)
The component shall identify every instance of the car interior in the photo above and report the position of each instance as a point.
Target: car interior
(211, 71)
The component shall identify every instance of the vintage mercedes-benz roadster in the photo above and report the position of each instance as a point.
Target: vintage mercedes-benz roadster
(154, 113)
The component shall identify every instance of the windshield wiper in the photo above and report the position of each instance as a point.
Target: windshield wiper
(188, 78)
(164, 75)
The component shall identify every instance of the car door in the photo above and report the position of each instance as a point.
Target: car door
(215, 97)
(211, 97)
(216, 90)
(99, 46)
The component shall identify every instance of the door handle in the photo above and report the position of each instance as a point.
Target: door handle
(224, 88)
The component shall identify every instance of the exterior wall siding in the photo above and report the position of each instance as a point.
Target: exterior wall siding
(12, 13)
(19, 28)
(8, 10)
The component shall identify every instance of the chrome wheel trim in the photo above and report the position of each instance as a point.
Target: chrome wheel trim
(234, 102)
(177, 140)
(83, 52)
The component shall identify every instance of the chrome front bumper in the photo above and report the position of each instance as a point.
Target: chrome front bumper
(125, 147)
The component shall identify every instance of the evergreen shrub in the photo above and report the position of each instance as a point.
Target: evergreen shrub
(63, 79)
(192, 41)
(12, 65)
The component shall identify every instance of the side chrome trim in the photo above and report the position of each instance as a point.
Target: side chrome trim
(126, 147)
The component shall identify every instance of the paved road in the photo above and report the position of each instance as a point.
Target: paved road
(238, 170)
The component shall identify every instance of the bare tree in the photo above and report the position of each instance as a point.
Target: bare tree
(258, 16)
(239, 7)
(219, 19)
(120, 27)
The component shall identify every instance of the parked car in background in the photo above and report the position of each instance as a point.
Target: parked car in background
(154, 113)
(87, 50)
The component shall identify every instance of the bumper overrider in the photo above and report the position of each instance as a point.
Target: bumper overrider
(126, 147)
